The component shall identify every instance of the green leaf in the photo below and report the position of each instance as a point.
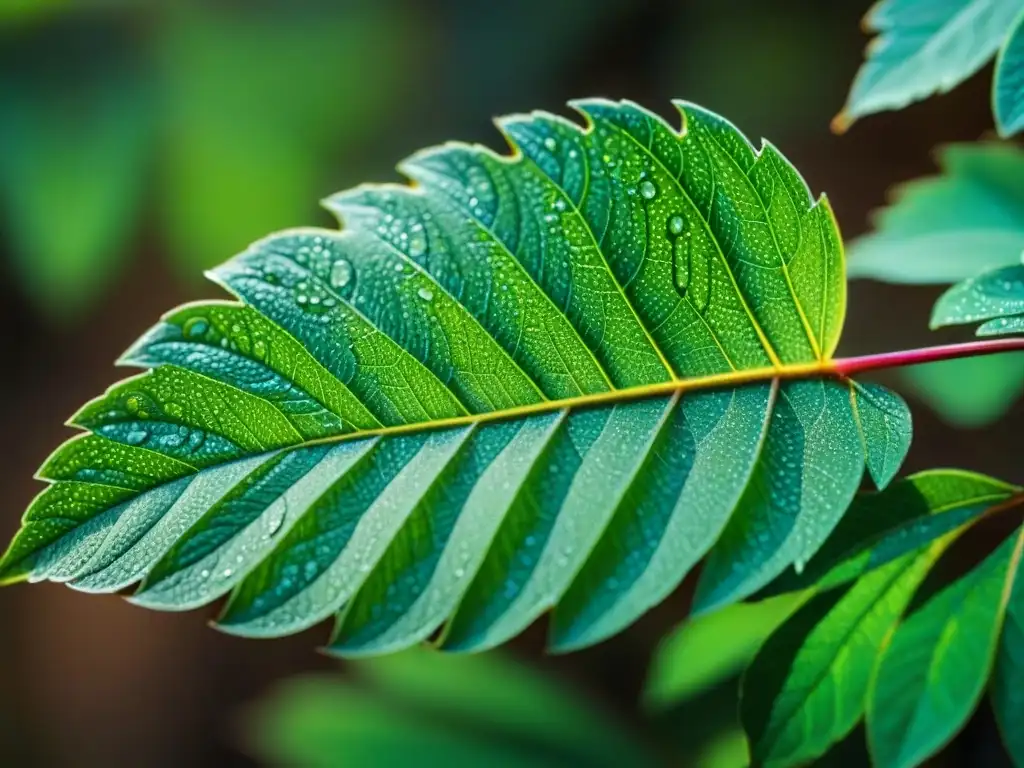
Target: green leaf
(949, 227)
(937, 664)
(922, 49)
(1008, 680)
(806, 689)
(995, 383)
(254, 107)
(554, 380)
(67, 223)
(910, 514)
(1008, 84)
(436, 709)
(996, 296)
(706, 650)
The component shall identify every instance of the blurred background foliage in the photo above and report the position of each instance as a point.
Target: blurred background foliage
(142, 141)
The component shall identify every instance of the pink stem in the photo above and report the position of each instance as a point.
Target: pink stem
(852, 365)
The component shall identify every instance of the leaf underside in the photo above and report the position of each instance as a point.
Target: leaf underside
(556, 379)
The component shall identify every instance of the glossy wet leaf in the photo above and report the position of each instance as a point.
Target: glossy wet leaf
(924, 48)
(552, 380)
(938, 663)
(949, 227)
(995, 299)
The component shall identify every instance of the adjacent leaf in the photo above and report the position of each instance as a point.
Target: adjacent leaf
(254, 108)
(924, 48)
(809, 684)
(995, 382)
(1008, 85)
(996, 297)
(806, 689)
(709, 649)
(937, 664)
(949, 227)
(1008, 680)
(436, 710)
(67, 223)
(551, 380)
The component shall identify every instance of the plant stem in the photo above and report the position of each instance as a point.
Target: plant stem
(850, 366)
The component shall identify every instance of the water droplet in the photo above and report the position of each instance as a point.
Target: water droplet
(137, 436)
(195, 327)
(676, 225)
(425, 293)
(173, 410)
(559, 204)
(648, 190)
(259, 350)
(550, 144)
(341, 273)
(417, 246)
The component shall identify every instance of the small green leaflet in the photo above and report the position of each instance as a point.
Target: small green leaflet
(937, 663)
(845, 653)
(995, 299)
(949, 227)
(1008, 85)
(427, 708)
(925, 48)
(551, 380)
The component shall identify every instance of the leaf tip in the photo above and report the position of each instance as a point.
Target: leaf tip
(841, 122)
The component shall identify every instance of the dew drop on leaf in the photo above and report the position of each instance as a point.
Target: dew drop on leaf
(426, 294)
(341, 273)
(647, 190)
(195, 327)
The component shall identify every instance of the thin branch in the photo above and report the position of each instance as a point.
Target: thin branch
(851, 366)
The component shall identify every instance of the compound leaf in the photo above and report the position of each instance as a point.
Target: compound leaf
(552, 380)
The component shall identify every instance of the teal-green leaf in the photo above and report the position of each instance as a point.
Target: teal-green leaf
(950, 227)
(998, 294)
(924, 49)
(806, 688)
(1008, 84)
(1008, 679)
(885, 428)
(938, 662)
(995, 382)
(552, 380)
